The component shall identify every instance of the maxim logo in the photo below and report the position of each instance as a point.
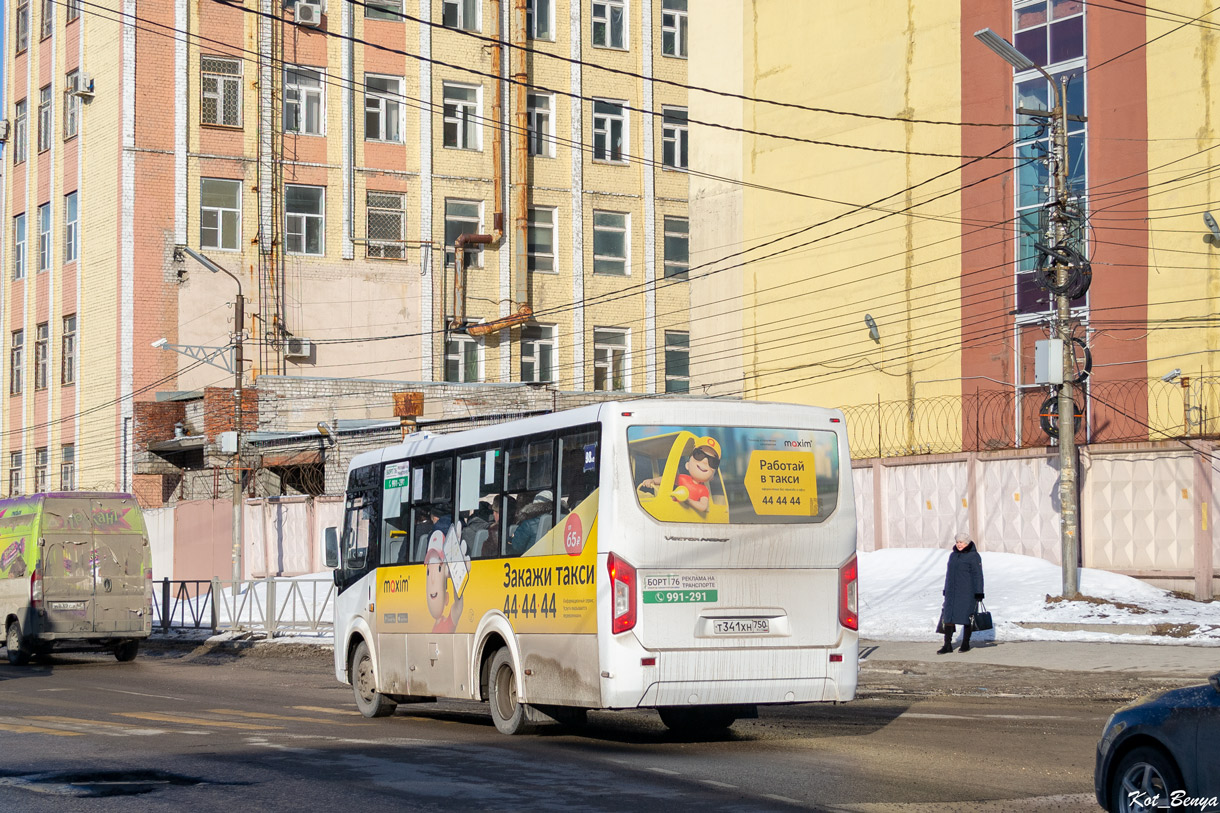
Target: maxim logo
(798, 444)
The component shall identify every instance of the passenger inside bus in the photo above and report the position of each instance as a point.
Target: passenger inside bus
(533, 521)
(476, 530)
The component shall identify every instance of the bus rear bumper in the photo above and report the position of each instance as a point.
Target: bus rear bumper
(729, 692)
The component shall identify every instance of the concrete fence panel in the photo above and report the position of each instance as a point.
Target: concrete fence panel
(925, 503)
(1017, 502)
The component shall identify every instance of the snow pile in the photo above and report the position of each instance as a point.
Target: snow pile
(900, 600)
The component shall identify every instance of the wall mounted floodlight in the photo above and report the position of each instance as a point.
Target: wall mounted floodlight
(1214, 237)
(873, 333)
(1172, 374)
(161, 342)
(328, 432)
(1004, 49)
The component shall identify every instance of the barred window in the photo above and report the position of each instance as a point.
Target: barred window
(387, 225)
(220, 85)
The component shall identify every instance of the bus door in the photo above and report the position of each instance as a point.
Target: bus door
(430, 644)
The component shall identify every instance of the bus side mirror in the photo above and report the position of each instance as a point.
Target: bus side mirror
(332, 547)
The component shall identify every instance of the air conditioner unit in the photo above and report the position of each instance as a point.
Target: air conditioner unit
(297, 348)
(309, 13)
(3, 130)
(85, 89)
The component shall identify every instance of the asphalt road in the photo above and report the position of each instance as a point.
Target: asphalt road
(269, 729)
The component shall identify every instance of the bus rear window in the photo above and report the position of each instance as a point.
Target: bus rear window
(730, 474)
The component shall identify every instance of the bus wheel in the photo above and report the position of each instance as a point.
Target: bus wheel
(506, 712)
(18, 655)
(127, 651)
(371, 702)
(697, 720)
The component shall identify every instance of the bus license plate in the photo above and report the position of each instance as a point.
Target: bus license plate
(741, 626)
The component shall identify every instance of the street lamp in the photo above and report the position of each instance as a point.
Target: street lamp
(1057, 235)
(332, 437)
(239, 318)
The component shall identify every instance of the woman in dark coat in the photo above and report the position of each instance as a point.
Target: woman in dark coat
(963, 591)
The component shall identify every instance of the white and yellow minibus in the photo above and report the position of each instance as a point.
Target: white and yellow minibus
(693, 556)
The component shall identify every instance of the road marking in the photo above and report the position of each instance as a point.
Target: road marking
(25, 728)
(716, 784)
(323, 710)
(142, 694)
(664, 771)
(195, 721)
(98, 726)
(786, 800)
(259, 715)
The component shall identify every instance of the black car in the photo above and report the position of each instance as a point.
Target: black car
(1162, 752)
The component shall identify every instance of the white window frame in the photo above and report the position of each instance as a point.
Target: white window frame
(541, 107)
(675, 25)
(532, 256)
(379, 248)
(624, 260)
(670, 338)
(67, 467)
(20, 242)
(46, 118)
(602, 14)
(456, 347)
(603, 358)
(299, 97)
(605, 123)
(71, 227)
(225, 86)
(74, 7)
(16, 362)
(15, 466)
(533, 347)
(461, 9)
(389, 10)
(474, 254)
(533, 31)
(388, 108)
(21, 27)
(675, 136)
(68, 358)
(48, 18)
(71, 105)
(466, 117)
(42, 355)
(218, 213)
(301, 224)
(21, 130)
(42, 469)
(675, 269)
(44, 237)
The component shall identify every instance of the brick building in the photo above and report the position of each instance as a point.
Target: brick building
(328, 154)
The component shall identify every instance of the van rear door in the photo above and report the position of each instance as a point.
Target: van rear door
(120, 550)
(67, 580)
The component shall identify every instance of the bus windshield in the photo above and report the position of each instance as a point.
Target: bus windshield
(734, 475)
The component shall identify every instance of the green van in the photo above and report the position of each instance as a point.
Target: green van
(75, 573)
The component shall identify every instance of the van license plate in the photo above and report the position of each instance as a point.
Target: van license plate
(68, 605)
(741, 626)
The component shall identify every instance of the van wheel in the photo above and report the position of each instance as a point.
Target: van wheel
(18, 655)
(506, 712)
(371, 702)
(697, 720)
(127, 651)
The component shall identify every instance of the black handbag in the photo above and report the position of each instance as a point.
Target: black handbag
(981, 620)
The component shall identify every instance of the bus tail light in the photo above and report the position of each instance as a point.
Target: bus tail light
(622, 587)
(848, 595)
(36, 590)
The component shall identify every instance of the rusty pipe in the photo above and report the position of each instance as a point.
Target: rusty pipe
(459, 274)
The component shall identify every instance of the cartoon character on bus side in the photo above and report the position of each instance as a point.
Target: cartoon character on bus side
(445, 561)
(694, 496)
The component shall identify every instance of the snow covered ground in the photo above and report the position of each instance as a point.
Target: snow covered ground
(900, 600)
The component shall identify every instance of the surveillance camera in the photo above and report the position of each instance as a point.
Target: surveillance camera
(1172, 374)
(159, 343)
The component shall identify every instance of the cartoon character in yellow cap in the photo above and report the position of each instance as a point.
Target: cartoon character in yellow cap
(701, 466)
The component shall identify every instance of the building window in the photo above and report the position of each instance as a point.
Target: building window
(73, 9)
(540, 19)
(22, 29)
(673, 137)
(44, 119)
(1050, 32)
(610, 346)
(47, 18)
(538, 354)
(609, 131)
(677, 247)
(14, 474)
(463, 359)
(541, 125)
(387, 225)
(220, 214)
(463, 217)
(610, 243)
(462, 129)
(44, 237)
(540, 248)
(20, 130)
(383, 108)
(305, 212)
(42, 466)
(16, 361)
(463, 14)
(673, 28)
(67, 468)
(67, 371)
(19, 247)
(677, 361)
(71, 228)
(220, 85)
(610, 23)
(42, 355)
(71, 105)
(304, 101)
(383, 10)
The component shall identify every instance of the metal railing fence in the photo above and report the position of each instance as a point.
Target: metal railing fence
(272, 606)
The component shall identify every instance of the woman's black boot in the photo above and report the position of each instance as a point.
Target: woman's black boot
(948, 647)
(966, 639)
